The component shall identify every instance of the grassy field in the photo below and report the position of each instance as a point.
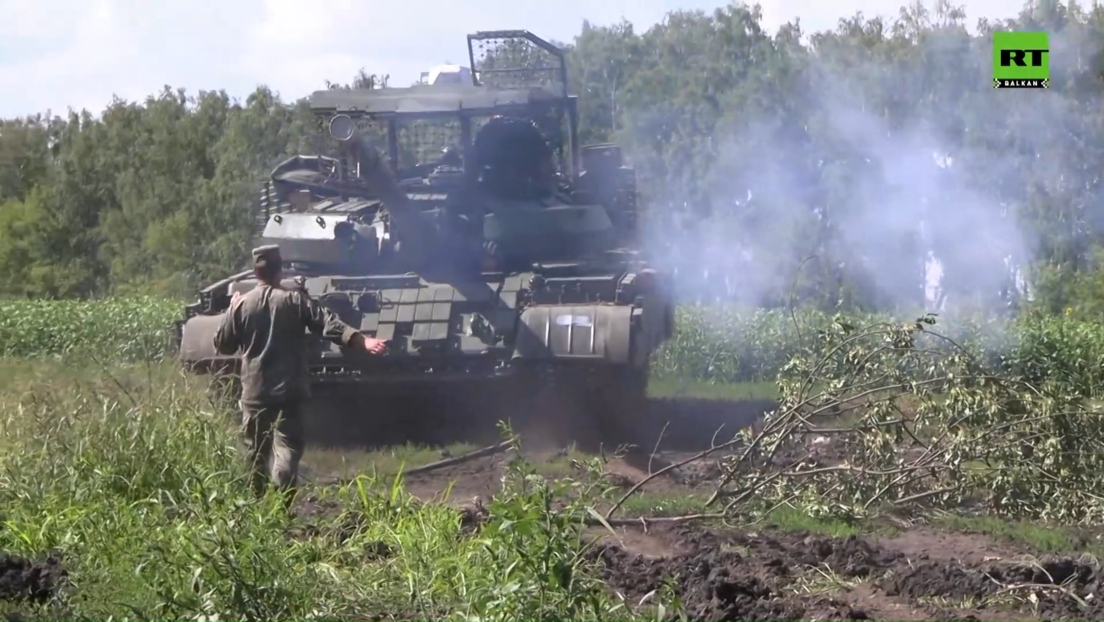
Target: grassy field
(134, 477)
(131, 475)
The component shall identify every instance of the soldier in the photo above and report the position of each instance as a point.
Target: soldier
(267, 326)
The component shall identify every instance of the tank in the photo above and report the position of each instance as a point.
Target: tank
(463, 224)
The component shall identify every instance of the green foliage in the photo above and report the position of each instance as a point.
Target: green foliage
(729, 344)
(124, 329)
(895, 416)
(156, 196)
(135, 480)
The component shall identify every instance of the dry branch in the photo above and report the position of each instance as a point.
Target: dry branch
(472, 455)
(644, 521)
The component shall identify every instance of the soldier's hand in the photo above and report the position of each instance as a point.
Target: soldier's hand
(375, 346)
(234, 298)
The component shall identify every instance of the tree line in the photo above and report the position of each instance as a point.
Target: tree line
(841, 169)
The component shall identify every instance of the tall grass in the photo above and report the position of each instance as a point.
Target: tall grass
(135, 479)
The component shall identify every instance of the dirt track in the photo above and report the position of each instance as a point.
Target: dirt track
(917, 574)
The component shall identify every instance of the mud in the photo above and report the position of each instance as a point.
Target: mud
(918, 575)
(24, 581)
(1057, 584)
(743, 578)
(738, 576)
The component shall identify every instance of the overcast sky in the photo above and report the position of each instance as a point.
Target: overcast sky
(57, 54)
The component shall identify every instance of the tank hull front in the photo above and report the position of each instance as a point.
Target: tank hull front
(566, 357)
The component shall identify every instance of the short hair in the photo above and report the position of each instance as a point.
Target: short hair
(267, 272)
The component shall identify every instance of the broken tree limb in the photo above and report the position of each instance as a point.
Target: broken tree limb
(672, 466)
(645, 521)
(472, 455)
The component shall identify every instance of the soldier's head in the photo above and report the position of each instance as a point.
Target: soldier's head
(268, 266)
(513, 155)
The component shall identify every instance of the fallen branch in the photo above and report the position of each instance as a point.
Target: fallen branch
(472, 455)
(672, 466)
(644, 521)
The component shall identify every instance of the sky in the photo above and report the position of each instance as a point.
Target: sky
(61, 54)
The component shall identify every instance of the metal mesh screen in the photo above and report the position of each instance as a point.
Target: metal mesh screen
(421, 141)
(514, 62)
(375, 130)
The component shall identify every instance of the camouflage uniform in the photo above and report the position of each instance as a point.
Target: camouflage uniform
(267, 326)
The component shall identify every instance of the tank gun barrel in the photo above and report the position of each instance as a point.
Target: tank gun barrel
(413, 232)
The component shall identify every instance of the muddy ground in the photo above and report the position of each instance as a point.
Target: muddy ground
(23, 580)
(917, 573)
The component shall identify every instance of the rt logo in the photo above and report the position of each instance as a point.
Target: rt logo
(1021, 60)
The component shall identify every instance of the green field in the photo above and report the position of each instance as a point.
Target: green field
(127, 468)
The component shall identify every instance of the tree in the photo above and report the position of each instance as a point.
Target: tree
(828, 169)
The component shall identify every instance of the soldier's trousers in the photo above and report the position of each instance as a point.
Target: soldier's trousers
(274, 443)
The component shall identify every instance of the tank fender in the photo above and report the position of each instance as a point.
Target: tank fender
(601, 332)
(197, 340)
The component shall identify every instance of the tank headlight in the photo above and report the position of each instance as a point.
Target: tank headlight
(342, 127)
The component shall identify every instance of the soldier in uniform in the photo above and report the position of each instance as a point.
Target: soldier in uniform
(267, 326)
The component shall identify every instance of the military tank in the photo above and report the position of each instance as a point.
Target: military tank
(462, 223)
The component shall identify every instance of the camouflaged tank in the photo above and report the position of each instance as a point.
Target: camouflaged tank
(462, 224)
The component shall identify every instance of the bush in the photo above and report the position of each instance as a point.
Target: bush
(894, 416)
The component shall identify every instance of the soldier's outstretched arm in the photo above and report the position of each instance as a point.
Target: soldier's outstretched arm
(227, 341)
(325, 323)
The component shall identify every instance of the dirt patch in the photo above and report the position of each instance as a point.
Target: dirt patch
(719, 584)
(924, 543)
(922, 574)
(774, 576)
(24, 580)
(473, 481)
(1065, 589)
(653, 544)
